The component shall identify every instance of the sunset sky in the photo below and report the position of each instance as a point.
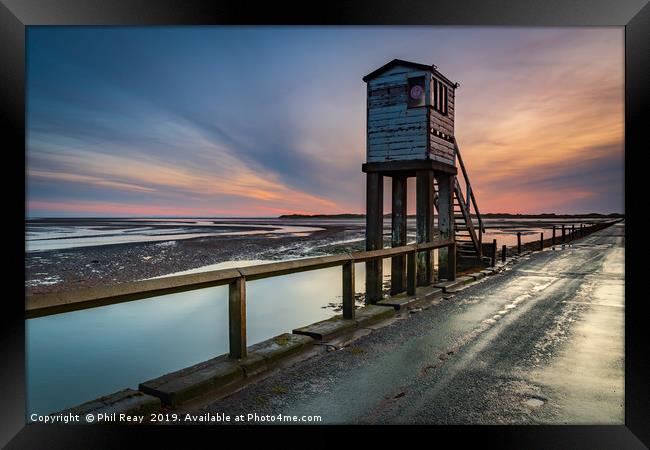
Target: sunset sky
(243, 121)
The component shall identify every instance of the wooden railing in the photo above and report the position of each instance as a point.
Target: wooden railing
(39, 305)
(470, 192)
(469, 202)
(567, 235)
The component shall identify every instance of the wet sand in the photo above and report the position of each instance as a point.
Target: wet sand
(80, 267)
(74, 268)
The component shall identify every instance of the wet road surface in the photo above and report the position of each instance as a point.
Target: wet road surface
(542, 342)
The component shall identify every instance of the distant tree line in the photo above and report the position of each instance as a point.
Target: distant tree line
(488, 215)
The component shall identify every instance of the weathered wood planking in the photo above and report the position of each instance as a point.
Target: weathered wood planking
(446, 256)
(442, 122)
(396, 132)
(424, 224)
(374, 234)
(398, 234)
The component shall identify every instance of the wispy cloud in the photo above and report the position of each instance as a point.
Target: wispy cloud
(179, 120)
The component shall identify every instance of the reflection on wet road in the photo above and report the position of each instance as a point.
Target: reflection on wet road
(542, 342)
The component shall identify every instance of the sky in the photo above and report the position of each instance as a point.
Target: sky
(263, 121)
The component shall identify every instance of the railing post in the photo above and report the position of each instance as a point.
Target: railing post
(237, 318)
(553, 239)
(398, 234)
(519, 242)
(374, 234)
(411, 272)
(348, 290)
(424, 223)
(503, 253)
(451, 267)
(541, 241)
(446, 255)
(494, 252)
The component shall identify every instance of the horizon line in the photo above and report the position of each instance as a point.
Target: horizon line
(28, 217)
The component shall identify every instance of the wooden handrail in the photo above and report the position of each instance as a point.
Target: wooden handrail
(470, 191)
(38, 305)
(465, 210)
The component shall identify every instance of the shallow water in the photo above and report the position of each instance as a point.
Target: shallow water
(42, 238)
(120, 231)
(78, 356)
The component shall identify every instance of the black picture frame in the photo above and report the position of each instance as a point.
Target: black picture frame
(634, 15)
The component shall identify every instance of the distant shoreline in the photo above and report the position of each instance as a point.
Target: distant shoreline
(485, 216)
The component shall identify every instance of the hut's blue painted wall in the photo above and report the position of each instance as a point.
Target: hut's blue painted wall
(396, 132)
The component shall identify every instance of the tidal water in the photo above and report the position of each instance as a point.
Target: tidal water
(53, 236)
(79, 356)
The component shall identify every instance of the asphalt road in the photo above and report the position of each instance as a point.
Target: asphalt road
(542, 342)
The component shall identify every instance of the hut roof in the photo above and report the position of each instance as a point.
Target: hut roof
(400, 62)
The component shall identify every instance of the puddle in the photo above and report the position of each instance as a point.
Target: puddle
(45, 281)
(534, 402)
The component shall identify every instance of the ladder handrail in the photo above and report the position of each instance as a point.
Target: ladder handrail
(470, 191)
(464, 208)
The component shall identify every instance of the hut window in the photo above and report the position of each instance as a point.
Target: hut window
(439, 97)
(416, 92)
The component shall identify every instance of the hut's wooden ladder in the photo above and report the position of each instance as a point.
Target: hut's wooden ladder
(468, 235)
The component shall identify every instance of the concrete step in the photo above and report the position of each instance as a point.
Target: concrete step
(126, 401)
(177, 387)
(326, 330)
(222, 373)
(447, 286)
(275, 349)
(477, 275)
(370, 314)
(403, 301)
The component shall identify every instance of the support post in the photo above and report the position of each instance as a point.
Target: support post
(563, 235)
(237, 318)
(451, 265)
(424, 224)
(398, 235)
(446, 255)
(411, 272)
(494, 252)
(541, 241)
(573, 231)
(553, 239)
(348, 290)
(503, 253)
(374, 234)
(519, 242)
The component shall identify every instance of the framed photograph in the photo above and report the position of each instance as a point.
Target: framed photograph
(364, 214)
